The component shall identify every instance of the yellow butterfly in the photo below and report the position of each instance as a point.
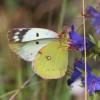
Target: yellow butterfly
(47, 50)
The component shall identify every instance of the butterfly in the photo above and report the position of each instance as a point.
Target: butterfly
(47, 50)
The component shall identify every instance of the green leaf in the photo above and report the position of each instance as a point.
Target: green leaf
(91, 97)
(97, 95)
(92, 39)
(90, 56)
(95, 57)
(95, 72)
(99, 44)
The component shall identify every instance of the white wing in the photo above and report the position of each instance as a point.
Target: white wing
(29, 34)
(28, 50)
(26, 42)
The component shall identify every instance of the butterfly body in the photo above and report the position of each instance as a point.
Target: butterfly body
(47, 51)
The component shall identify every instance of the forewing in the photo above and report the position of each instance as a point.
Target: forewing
(30, 34)
(28, 50)
(51, 61)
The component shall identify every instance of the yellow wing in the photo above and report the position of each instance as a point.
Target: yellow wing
(51, 61)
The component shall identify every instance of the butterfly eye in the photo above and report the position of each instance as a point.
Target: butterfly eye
(37, 42)
(37, 34)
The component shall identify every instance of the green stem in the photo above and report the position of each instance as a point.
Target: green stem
(7, 94)
(58, 90)
(14, 91)
(2, 89)
(19, 81)
(62, 15)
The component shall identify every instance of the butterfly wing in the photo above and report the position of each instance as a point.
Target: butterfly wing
(29, 34)
(51, 61)
(27, 42)
(28, 50)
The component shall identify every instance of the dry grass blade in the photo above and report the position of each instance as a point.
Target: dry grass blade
(84, 29)
(15, 94)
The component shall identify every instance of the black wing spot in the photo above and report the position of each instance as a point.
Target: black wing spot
(40, 52)
(22, 33)
(37, 42)
(37, 34)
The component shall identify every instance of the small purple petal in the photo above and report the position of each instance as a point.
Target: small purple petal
(76, 74)
(91, 11)
(72, 28)
(78, 41)
(95, 16)
(93, 83)
(96, 22)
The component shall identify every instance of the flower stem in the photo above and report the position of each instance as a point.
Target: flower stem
(86, 97)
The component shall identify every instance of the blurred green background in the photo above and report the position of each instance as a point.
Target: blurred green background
(50, 14)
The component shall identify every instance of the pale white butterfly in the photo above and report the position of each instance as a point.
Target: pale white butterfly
(46, 49)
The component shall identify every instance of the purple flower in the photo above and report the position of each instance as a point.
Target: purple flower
(78, 64)
(96, 22)
(93, 83)
(77, 41)
(92, 13)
